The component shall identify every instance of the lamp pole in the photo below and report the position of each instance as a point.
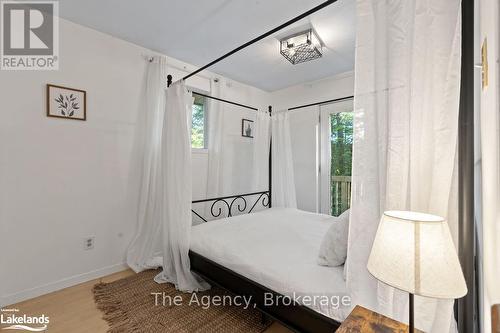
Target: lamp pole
(412, 316)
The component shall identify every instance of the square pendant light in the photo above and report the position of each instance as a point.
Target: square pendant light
(301, 47)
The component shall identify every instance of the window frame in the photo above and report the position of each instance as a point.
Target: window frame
(324, 163)
(205, 122)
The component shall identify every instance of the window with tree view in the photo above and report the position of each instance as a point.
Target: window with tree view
(198, 123)
(341, 137)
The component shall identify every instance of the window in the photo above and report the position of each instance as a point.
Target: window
(198, 123)
(336, 121)
(341, 161)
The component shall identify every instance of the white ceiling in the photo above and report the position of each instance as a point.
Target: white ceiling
(198, 32)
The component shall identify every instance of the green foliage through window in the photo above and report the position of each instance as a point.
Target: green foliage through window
(198, 123)
(341, 136)
(341, 143)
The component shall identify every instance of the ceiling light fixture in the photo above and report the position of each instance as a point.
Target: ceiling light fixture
(301, 47)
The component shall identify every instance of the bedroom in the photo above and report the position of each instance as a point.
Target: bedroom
(99, 181)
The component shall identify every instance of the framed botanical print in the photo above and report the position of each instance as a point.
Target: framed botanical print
(68, 103)
(247, 128)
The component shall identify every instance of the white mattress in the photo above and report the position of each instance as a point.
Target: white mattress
(277, 248)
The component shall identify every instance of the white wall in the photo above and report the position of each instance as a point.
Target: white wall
(489, 101)
(238, 150)
(63, 180)
(303, 126)
(333, 87)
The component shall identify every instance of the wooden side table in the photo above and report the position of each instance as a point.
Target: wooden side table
(495, 318)
(362, 320)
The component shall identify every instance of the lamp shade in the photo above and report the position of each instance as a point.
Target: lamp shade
(414, 252)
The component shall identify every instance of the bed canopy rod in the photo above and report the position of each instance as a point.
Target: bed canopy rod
(321, 103)
(241, 47)
(225, 101)
(264, 35)
(169, 82)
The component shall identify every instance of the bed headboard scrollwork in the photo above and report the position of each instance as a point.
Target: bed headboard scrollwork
(230, 205)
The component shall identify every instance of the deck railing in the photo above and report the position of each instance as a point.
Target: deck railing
(340, 194)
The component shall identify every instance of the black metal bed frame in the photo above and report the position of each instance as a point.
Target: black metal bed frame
(300, 318)
(237, 202)
(169, 81)
(296, 317)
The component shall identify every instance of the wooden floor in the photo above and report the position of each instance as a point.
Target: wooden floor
(73, 309)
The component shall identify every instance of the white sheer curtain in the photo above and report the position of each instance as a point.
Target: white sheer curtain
(145, 250)
(176, 187)
(405, 126)
(283, 182)
(164, 218)
(215, 176)
(262, 132)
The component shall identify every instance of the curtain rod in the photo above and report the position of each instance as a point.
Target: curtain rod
(321, 103)
(270, 32)
(225, 101)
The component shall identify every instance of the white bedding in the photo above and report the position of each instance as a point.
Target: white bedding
(277, 248)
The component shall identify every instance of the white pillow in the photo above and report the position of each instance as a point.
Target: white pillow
(333, 249)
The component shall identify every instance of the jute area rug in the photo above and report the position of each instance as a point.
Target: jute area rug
(129, 306)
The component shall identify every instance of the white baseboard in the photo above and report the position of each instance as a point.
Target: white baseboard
(61, 284)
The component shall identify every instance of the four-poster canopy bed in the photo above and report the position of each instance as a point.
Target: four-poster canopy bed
(302, 318)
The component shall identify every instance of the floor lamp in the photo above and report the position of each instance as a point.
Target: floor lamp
(414, 252)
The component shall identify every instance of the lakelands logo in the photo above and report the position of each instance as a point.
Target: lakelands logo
(15, 321)
(29, 35)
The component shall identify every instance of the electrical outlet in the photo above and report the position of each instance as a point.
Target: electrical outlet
(88, 243)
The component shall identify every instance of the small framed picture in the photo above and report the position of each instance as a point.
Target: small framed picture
(247, 128)
(68, 103)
